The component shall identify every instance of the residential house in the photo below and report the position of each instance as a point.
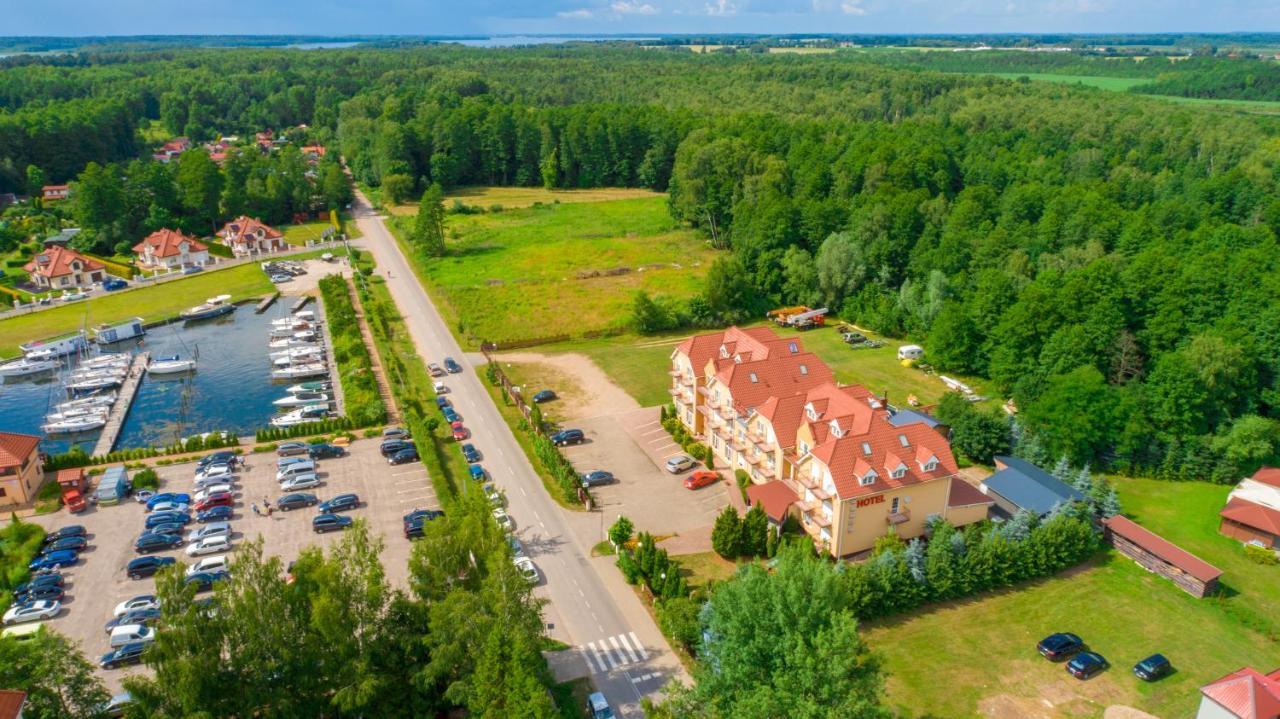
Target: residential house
(172, 149)
(57, 268)
(1019, 484)
(21, 471)
(53, 193)
(248, 236)
(1252, 513)
(313, 153)
(12, 702)
(170, 249)
(1243, 694)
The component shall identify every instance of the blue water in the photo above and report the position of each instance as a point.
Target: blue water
(522, 40)
(231, 388)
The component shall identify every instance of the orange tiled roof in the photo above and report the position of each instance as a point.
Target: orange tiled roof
(16, 448)
(751, 383)
(1252, 514)
(1247, 693)
(166, 243)
(774, 497)
(11, 702)
(241, 227)
(852, 456)
(56, 262)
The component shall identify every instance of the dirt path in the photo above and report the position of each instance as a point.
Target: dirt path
(593, 394)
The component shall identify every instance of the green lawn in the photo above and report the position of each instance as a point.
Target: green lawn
(1118, 84)
(300, 234)
(151, 303)
(521, 273)
(977, 657)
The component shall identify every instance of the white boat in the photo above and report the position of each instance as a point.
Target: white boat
(92, 384)
(75, 412)
(286, 342)
(25, 366)
(170, 365)
(307, 315)
(212, 307)
(98, 372)
(309, 387)
(107, 360)
(297, 353)
(97, 400)
(300, 322)
(306, 334)
(52, 349)
(299, 416)
(301, 399)
(106, 334)
(315, 369)
(78, 424)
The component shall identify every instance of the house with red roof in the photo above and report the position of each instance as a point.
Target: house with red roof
(21, 472)
(249, 236)
(1243, 694)
(1252, 513)
(11, 703)
(58, 267)
(167, 249)
(53, 193)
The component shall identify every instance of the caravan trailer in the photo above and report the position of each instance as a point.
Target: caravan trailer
(910, 352)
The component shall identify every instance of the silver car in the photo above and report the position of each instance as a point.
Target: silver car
(680, 463)
(212, 529)
(301, 481)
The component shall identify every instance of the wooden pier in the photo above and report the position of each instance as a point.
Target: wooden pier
(302, 302)
(265, 303)
(124, 400)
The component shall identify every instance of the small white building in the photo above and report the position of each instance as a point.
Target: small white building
(910, 352)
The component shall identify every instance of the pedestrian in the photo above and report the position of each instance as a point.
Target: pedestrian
(270, 509)
(255, 509)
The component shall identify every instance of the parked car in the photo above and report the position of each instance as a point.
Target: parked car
(1152, 668)
(434, 369)
(166, 528)
(118, 705)
(217, 488)
(340, 503)
(495, 496)
(680, 463)
(404, 456)
(147, 566)
(325, 451)
(451, 367)
(421, 515)
(203, 484)
(471, 454)
(209, 545)
(39, 592)
(545, 395)
(598, 707)
(221, 457)
(55, 560)
(220, 471)
(330, 522)
(450, 415)
(527, 569)
(212, 529)
(1059, 646)
(72, 530)
(414, 530)
(40, 580)
(125, 655)
(130, 633)
(1086, 664)
(280, 278)
(395, 433)
(142, 601)
(217, 513)
(204, 581)
(167, 497)
(217, 499)
(392, 446)
(287, 461)
(288, 449)
(295, 501)
(597, 477)
(440, 388)
(516, 547)
(301, 481)
(166, 518)
(442, 402)
(152, 542)
(568, 436)
(75, 544)
(459, 431)
(169, 506)
(700, 479)
(192, 269)
(216, 563)
(477, 472)
(504, 520)
(32, 611)
(145, 617)
(112, 284)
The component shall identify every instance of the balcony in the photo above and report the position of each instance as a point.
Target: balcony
(818, 518)
(898, 517)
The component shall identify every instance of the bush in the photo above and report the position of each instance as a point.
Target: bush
(726, 535)
(1260, 555)
(678, 619)
(146, 479)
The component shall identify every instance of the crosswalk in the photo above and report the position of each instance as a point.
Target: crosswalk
(610, 653)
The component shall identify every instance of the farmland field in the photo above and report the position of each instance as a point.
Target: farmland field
(517, 197)
(558, 269)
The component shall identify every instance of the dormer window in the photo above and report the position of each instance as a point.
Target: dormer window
(724, 351)
(902, 440)
(875, 403)
(866, 448)
(811, 413)
(737, 359)
(835, 429)
(929, 464)
(868, 479)
(899, 472)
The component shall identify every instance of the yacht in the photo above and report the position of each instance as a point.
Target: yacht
(92, 384)
(314, 369)
(212, 307)
(24, 366)
(108, 360)
(314, 352)
(76, 424)
(170, 365)
(97, 400)
(309, 387)
(52, 349)
(310, 413)
(302, 399)
(75, 412)
(287, 342)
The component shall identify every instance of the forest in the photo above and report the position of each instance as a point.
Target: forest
(1108, 260)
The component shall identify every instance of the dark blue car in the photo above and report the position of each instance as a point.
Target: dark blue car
(147, 566)
(404, 456)
(451, 367)
(340, 503)
(151, 542)
(216, 514)
(330, 523)
(204, 581)
(477, 472)
(40, 580)
(180, 498)
(75, 544)
(155, 520)
(442, 402)
(128, 654)
(1152, 668)
(325, 451)
(166, 528)
(49, 592)
(71, 530)
(1059, 646)
(1086, 664)
(471, 453)
(54, 560)
(114, 283)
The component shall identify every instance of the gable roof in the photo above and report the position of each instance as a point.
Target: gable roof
(167, 243)
(1252, 514)
(751, 383)
(55, 261)
(1268, 475)
(1246, 693)
(848, 458)
(786, 414)
(239, 229)
(16, 448)
(1162, 548)
(1028, 486)
(775, 497)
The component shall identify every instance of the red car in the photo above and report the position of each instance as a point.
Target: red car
(217, 499)
(459, 432)
(701, 479)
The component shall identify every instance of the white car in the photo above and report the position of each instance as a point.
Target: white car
(214, 470)
(441, 388)
(131, 633)
(216, 563)
(527, 569)
(209, 545)
(202, 484)
(302, 481)
(32, 611)
(145, 601)
(212, 529)
(504, 519)
(213, 489)
(494, 495)
(295, 469)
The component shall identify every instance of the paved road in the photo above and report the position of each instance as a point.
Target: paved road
(598, 614)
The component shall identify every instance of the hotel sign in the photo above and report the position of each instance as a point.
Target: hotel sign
(868, 501)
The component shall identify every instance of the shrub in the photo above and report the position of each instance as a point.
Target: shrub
(678, 619)
(146, 479)
(1260, 555)
(726, 535)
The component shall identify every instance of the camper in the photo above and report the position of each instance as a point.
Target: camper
(113, 487)
(910, 352)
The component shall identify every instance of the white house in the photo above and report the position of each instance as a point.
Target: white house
(169, 249)
(248, 236)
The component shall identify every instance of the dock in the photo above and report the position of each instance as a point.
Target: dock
(120, 410)
(265, 303)
(302, 302)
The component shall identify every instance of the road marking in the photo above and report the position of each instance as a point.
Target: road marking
(523, 493)
(402, 474)
(601, 657)
(652, 431)
(591, 666)
(639, 647)
(645, 677)
(408, 491)
(627, 647)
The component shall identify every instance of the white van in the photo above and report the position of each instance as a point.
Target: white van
(130, 633)
(295, 469)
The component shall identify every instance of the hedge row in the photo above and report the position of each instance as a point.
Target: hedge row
(77, 457)
(681, 436)
(323, 426)
(355, 367)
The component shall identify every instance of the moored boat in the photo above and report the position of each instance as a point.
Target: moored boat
(53, 349)
(106, 334)
(309, 387)
(315, 352)
(212, 307)
(75, 425)
(92, 384)
(314, 369)
(302, 399)
(170, 365)
(98, 400)
(287, 342)
(24, 366)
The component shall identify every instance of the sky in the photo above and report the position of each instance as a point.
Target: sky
(459, 17)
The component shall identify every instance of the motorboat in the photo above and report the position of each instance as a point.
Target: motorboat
(74, 412)
(310, 413)
(108, 360)
(295, 321)
(287, 342)
(306, 334)
(170, 365)
(314, 369)
(75, 425)
(314, 351)
(307, 315)
(53, 349)
(92, 384)
(300, 359)
(212, 307)
(97, 400)
(24, 366)
(309, 387)
(106, 334)
(301, 399)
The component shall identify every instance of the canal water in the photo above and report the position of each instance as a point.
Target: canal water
(231, 388)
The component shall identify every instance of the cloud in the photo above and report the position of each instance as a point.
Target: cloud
(852, 7)
(579, 14)
(722, 8)
(633, 7)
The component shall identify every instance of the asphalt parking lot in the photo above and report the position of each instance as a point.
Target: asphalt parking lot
(634, 447)
(97, 583)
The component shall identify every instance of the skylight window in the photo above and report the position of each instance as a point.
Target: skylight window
(866, 448)
(902, 439)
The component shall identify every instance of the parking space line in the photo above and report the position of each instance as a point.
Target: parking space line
(403, 474)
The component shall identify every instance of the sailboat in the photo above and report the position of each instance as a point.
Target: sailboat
(170, 365)
(308, 387)
(75, 424)
(24, 366)
(97, 400)
(297, 353)
(286, 342)
(314, 369)
(301, 399)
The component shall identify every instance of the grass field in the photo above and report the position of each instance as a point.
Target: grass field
(978, 657)
(520, 273)
(512, 198)
(1118, 84)
(150, 303)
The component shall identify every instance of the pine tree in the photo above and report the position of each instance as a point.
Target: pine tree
(916, 561)
(1083, 480)
(1062, 470)
(755, 532)
(727, 533)
(428, 226)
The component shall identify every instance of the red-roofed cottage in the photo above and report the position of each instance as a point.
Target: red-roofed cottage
(248, 236)
(60, 267)
(1243, 694)
(1252, 513)
(53, 193)
(21, 473)
(167, 249)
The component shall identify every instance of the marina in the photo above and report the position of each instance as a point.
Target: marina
(124, 401)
